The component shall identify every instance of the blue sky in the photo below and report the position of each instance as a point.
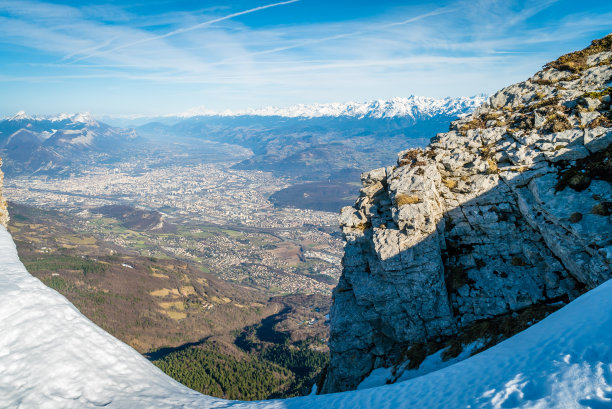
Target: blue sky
(156, 57)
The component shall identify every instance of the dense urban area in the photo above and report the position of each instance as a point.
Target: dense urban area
(209, 214)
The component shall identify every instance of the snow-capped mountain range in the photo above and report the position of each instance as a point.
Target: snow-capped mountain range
(33, 142)
(78, 118)
(80, 129)
(51, 143)
(411, 106)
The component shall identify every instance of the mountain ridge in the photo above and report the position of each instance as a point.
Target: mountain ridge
(316, 141)
(79, 117)
(51, 144)
(320, 147)
(410, 106)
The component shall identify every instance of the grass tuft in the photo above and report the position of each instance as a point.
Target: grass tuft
(576, 62)
(403, 199)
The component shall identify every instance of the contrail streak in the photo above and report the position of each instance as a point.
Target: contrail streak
(436, 12)
(186, 29)
(89, 50)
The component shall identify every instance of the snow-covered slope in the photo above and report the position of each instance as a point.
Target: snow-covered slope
(412, 107)
(51, 356)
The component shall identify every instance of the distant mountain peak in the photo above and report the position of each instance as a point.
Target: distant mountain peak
(21, 115)
(410, 106)
(83, 117)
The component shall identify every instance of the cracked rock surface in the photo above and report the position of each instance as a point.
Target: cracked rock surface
(510, 208)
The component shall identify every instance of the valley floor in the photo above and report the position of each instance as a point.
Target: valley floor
(218, 338)
(212, 216)
(51, 356)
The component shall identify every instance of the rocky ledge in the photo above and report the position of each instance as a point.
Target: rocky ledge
(501, 219)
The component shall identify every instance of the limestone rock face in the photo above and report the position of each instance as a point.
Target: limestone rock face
(510, 208)
(4, 217)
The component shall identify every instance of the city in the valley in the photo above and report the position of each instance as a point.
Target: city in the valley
(215, 217)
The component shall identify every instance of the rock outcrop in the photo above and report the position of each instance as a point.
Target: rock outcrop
(4, 217)
(508, 210)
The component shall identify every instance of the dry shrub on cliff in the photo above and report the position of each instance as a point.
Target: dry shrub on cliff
(579, 176)
(598, 94)
(495, 330)
(577, 61)
(518, 261)
(546, 103)
(363, 226)
(449, 183)
(541, 81)
(557, 122)
(402, 199)
(575, 217)
(411, 158)
(492, 167)
(602, 209)
(601, 121)
(522, 121)
(476, 123)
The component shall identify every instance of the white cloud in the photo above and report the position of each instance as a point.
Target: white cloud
(185, 29)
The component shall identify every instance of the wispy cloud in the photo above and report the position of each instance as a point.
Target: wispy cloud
(125, 60)
(186, 29)
(315, 41)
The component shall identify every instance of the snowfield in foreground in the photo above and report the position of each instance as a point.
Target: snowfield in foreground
(51, 356)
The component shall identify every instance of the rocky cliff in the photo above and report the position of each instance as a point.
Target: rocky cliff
(509, 211)
(4, 217)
